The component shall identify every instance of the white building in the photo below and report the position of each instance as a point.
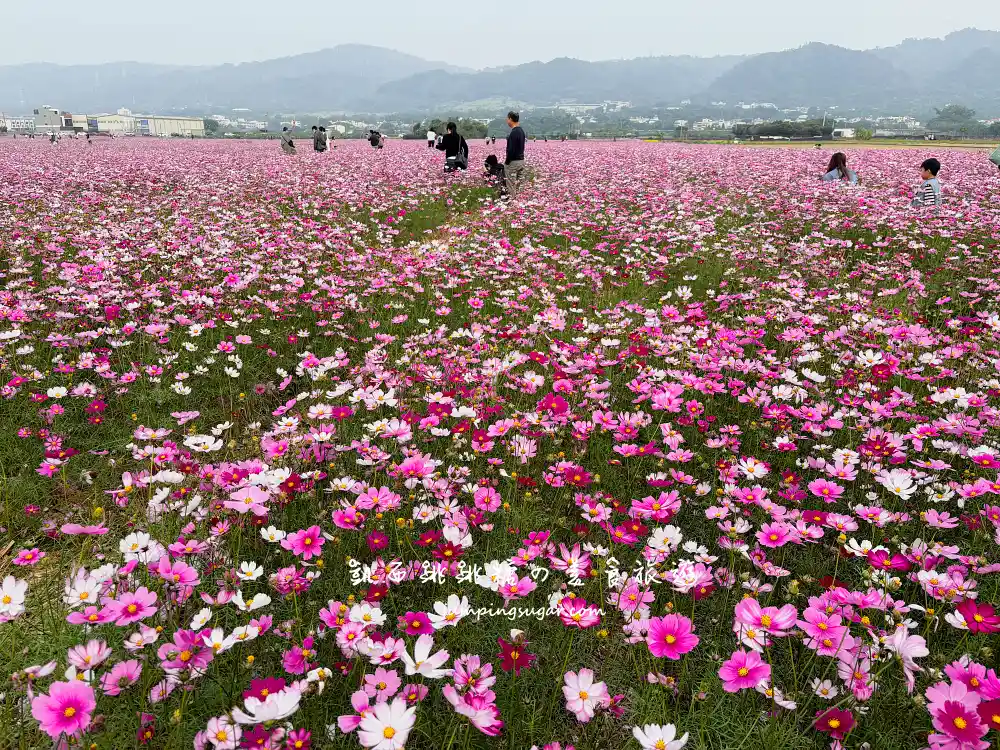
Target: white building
(844, 132)
(124, 122)
(14, 124)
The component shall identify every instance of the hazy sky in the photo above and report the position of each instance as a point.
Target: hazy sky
(463, 33)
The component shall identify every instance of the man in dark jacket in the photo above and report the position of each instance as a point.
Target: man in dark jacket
(514, 163)
(456, 150)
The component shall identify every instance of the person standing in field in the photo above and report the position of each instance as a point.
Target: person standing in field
(315, 137)
(431, 138)
(514, 163)
(456, 150)
(322, 140)
(287, 144)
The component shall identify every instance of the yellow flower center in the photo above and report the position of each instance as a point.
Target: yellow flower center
(765, 620)
(388, 733)
(186, 656)
(834, 723)
(584, 695)
(670, 639)
(742, 671)
(960, 722)
(70, 712)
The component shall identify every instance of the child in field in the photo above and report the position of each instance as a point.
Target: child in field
(495, 174)
(837, 170)
(929, 192)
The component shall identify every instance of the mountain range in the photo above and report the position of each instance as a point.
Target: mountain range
(914, 75)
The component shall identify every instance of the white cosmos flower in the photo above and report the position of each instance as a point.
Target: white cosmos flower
(201, 619)
(272, 534)
(202, 443)
(250, 571)
(450, 612)
(258, 601)
(274, 707)
(423, 662)
(657, 737)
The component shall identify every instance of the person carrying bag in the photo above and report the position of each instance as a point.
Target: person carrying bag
(456, 149)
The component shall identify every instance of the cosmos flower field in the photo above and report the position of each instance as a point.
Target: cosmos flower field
(681, 447)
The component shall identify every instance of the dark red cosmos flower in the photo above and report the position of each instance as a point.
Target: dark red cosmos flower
(262, 688)
(447, 552)
(429, 538)
(703, 592)
(829, 582)
(376, 592)
(514, 657)
(814, 516)
(835, 722)
(377, 540)
(989, 712)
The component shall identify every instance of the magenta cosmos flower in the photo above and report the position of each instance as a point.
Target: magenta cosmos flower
(132, 606)
(415, 623)
(307, 543)
(671, 636)
(66, 709)
(744, 669)
(980, 618)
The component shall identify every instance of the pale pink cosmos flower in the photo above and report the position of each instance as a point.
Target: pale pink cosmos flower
(583, 695)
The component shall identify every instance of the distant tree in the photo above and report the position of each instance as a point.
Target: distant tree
(955, 113)
(863, 134)
(211, 126)
(3, 128)
(994, 129)
(955, 118)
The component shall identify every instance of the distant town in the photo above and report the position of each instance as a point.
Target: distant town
(607, 119)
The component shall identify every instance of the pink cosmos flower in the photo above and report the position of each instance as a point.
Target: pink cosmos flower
(120, 676)
(306, 543)
(773, 535)
(75, 529)
(671, 636)
(772, 620)
(296, 659)
(90, 616)
(360, 703)
(576, 613)
(480, 710)
(517, 588)
(583, 695)
(88, 656)
(29, 556)
(825, 489)
(66, 710)
(382, 685)
(131, 607)
(744, 669)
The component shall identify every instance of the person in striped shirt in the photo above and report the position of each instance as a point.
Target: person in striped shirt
(929, 192)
